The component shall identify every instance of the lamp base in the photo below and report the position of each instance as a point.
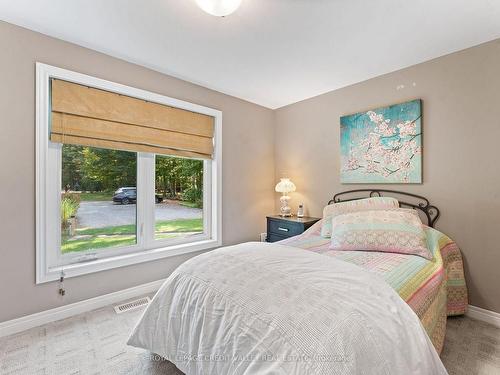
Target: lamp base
(285, 209)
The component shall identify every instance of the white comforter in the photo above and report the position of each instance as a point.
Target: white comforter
(260, 308)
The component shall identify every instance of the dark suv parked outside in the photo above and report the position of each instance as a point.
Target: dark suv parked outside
(126, 195)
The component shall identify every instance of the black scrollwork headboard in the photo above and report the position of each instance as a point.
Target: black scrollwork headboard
(422, 204)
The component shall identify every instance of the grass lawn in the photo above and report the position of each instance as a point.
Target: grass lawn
(189, 204)
(100, 196)
(123, 235)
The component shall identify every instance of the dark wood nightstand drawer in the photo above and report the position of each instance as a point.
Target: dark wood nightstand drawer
(285, 228)
(271, 237)
(280, 228)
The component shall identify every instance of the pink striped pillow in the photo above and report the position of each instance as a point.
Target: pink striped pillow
(374, 203)
(391, 231)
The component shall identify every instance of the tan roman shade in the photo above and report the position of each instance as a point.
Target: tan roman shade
(87, 116)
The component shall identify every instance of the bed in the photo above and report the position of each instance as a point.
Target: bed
(297, 307)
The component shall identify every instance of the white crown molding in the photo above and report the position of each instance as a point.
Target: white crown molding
(483, 315)
(29, 321)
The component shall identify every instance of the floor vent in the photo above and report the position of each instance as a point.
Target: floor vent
(132, 305)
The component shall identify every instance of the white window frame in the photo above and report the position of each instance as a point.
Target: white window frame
(49, 261)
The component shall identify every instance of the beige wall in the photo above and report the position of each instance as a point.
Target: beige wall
(461, 103)
(461, 125)
(248, 167)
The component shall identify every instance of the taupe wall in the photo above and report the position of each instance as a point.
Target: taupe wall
(461, 125)
(461, 102)
(248, 167)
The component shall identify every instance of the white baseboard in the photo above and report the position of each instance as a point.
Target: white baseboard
(483, 315)
(26, 322)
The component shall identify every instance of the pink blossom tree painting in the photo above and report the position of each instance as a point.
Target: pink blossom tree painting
(383, 145)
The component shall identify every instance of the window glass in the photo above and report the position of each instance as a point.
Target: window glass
(98, 198)
(178, 196)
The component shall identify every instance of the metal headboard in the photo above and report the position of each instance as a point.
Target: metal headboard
(422, 204)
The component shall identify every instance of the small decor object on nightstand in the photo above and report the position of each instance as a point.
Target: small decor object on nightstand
(285, 186)
(300, 211)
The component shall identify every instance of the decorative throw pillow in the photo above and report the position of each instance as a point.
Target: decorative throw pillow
(411, 211)
(332, 210)
(391, 231)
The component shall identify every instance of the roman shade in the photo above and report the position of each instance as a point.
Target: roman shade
(87, 116)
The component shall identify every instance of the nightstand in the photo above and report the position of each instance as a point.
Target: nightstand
(279, 228)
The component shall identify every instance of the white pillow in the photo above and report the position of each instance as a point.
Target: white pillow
(367, 204)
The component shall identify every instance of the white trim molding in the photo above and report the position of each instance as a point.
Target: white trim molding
(50, 263)
(30, 321)
(34, 320)
(483, 315)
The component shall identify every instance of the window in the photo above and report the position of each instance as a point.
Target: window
(114, 190)
(98, 199)
(179, 197)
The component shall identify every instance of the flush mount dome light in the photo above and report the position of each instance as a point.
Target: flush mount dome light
(219, 8)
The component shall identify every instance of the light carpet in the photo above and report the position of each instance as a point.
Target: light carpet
(94, 343)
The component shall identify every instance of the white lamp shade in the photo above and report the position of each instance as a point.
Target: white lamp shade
(285, 186)
(219, 8)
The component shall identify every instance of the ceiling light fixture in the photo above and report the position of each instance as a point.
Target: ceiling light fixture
(219, 8)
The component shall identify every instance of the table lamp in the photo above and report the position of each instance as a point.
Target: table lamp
(285, 186)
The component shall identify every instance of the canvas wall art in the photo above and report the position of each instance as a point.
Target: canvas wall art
(383, 145)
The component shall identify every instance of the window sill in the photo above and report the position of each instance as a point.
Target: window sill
(78, 269)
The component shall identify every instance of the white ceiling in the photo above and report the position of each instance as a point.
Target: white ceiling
(270, 52)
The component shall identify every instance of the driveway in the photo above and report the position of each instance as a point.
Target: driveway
(107, 214)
